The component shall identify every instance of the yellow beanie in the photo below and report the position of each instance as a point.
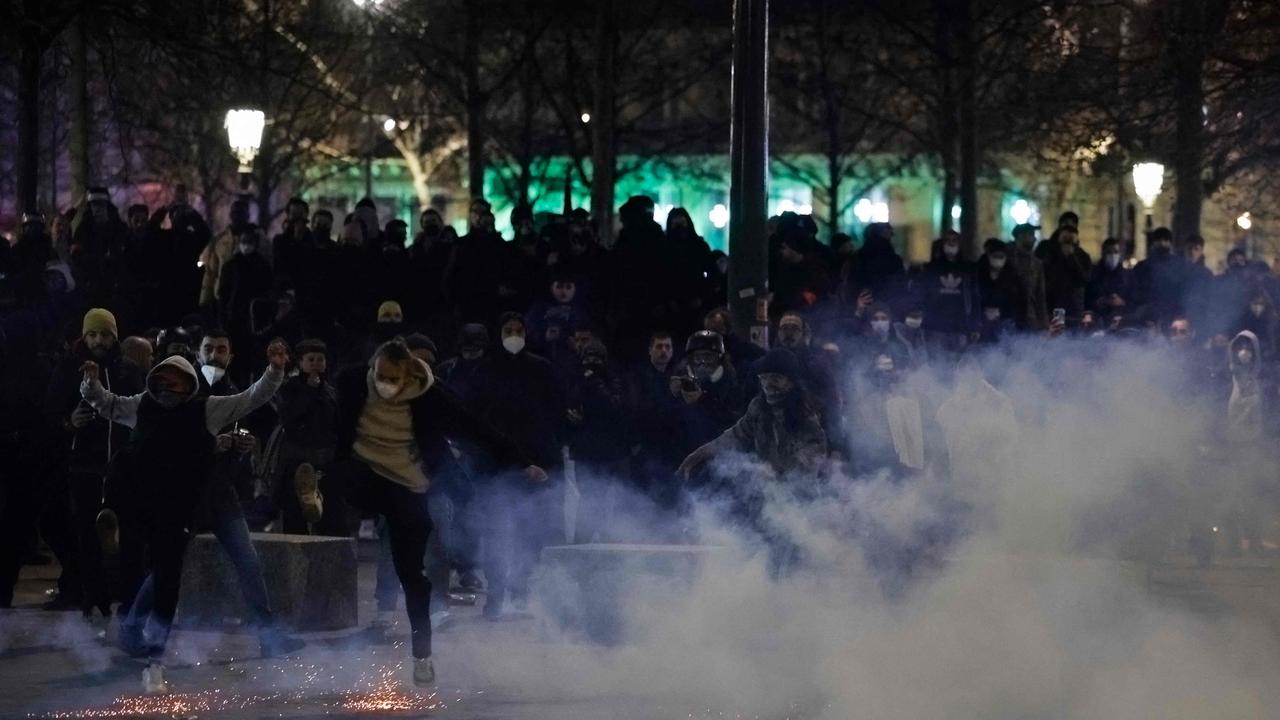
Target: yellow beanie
(101, 320)
(389, 307)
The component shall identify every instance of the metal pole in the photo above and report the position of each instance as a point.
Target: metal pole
(749, 157)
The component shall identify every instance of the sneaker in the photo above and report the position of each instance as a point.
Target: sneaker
(107, 524)
(279, 645)
(306, 484)
(424, 673)
(153, 682)
(440, 619)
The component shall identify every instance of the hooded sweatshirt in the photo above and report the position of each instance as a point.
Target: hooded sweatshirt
(384, 432)
(1245, 408)
(219, 411)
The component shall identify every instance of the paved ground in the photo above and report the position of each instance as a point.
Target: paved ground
(52, 665)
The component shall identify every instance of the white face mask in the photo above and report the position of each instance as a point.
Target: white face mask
(914, 322)
(1244, 355)
(212, 373)
(513, 344)
(386, 390)
(991, 315)
(1258, 309)
(1113, 259)
(880, 327)
(951, 250)
(997, 263)
(247, 249)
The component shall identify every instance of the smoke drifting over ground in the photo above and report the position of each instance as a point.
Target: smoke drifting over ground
(1011, 584)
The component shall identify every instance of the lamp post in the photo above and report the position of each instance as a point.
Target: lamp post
(1148, 179)
(244, 134)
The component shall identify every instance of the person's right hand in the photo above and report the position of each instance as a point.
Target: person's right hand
(691, 397)
(226, 441)
(865, 298)
(674, 385)
(82, 416)
(90, 370)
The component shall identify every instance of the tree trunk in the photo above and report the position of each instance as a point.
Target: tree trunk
(968, 130)
(603, 156)
(948, 124)
(476, 104)
(29, 123)
(833, 198)
(78, 80)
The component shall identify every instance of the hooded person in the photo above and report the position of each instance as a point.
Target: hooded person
(780, 427)
(86, 443)
(171, 451)
(460, 373)
(1248, 431)
(598, 432)
(392, 424)
(707, 386)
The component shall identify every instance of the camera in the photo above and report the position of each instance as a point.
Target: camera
(688, 384)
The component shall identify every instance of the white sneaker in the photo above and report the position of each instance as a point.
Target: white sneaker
(424, 673)
(153, 680)
(439, 619)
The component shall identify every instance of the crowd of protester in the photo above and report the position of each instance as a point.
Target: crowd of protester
(449, 387)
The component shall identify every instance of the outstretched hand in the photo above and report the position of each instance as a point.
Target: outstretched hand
(278, 354)
(535, 474)
(90, 371)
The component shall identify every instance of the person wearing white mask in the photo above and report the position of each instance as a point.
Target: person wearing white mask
(391, 426)
(998, 285)
(1111, 286)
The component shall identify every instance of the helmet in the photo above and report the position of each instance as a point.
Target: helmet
(705, 340)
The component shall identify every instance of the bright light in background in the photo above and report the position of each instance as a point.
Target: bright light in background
(1020, 211)
(586, 117)
(880, 211)
(661, 211)
(955, 212)
(1148, 179)
(1244, 221)
(863, 210)
(366, 3)
(784, 205)
(719, 216)
(389, 125)
(244, 133)
(805, 209)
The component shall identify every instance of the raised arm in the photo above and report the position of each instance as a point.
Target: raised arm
(116, 408)
(223, 410)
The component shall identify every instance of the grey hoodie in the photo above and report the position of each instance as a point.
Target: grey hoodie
(1244, 409)
(219, 411)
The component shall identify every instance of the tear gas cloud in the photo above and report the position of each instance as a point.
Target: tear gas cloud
(1006, 581)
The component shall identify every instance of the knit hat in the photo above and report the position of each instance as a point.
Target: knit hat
(99, 320)
(473, 335)
(418, 341)
(779, 361)
(509, 316)
(311, 345)
(389, 307)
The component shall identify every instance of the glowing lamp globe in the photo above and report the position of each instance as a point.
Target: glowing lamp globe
(1020, 211)
(244, 133)
(719, 215)
(1148, 179)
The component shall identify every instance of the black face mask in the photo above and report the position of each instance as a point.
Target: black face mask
(169, 399)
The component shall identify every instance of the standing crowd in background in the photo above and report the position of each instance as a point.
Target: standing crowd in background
(449, 388)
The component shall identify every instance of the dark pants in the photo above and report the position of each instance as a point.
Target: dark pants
(86, 501)
(409, 526)
(56, 527)
(514, 532)
(151, 614)
(19, 512)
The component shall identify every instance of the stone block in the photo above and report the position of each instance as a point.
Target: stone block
(589, 591)
(311, 582)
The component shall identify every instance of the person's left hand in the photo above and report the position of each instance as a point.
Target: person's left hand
(278, 354)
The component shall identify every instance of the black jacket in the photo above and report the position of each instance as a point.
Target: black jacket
(437, 415)
(89, 448)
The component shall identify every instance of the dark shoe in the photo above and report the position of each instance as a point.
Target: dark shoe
(107, 525)
(281, 645)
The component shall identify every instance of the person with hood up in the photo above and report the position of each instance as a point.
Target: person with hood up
(707, 386)
(171, 451)
(876, 266)
(391, 425)
(1248, 431)
(780, 427)
(948, 291)
(552, 320)
(87, 442)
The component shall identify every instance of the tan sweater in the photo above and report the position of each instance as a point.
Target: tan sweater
(384, 432)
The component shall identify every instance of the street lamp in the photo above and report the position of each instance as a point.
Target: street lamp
(244, 134)
(1148, 179)
(1244, 221)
